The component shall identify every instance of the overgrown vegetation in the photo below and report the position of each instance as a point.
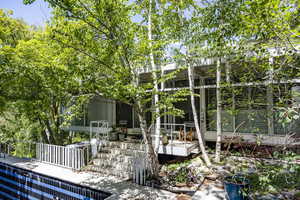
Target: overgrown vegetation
(269, 176)
(100, 47)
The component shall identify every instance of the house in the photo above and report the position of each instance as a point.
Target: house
(249, 110)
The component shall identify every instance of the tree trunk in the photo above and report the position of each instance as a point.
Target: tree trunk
(45, 138)
(219, 107)
(196, 121)
(49, 132)
(155, 77)
(44, 133)
(151, 154)
(152, 159)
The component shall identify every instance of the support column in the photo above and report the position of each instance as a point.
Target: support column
(133, 117)
(202, 109)
(84, 115)
(270, 103)
(162, 89)
(173, 119)
(228, 80)
(270, 108)
(114, 115)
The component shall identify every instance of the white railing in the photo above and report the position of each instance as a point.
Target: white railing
(69, 157)
(173, 131)
(140, 168)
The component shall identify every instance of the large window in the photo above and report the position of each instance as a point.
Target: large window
(285, 121)
(243, 109)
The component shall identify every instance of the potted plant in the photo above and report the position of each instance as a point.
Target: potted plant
(236, 187)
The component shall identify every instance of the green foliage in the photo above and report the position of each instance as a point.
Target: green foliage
(36, 80)
(179, 173)
(179, 165)
(28, 1)
(274, 176)
(15, 126)
(11, 30)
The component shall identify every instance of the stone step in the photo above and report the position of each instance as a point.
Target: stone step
(110, 156)
(119, 151)
(109, 171)
(125, 145)
(112, 163)
(116, 159)
(127, 168)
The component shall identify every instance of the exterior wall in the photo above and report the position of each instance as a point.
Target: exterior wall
(102, 109)
(97, 109)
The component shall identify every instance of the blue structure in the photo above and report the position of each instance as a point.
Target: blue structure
(17, 183)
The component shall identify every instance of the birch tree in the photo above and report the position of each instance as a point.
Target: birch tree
(196, 121)
(181, 32)
(155, 79)
(219, 110)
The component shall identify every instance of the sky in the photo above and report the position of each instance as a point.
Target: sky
(35, 14)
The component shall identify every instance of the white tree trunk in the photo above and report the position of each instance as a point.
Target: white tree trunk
(151, 155)
(155, 77)
(152, 159)
(196, 121)
(219, 107)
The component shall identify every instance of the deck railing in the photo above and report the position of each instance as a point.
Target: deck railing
(173, 130)
(69, 157)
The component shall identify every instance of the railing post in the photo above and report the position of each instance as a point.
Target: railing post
(37, 151)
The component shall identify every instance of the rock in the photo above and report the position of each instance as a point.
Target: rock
(198, 161)
(251, 170)
(291, 194)
(162, 174)
(204, 170)
(183, 197)
(269, 197)
(180, 184)
(212, 177)
(164, 168)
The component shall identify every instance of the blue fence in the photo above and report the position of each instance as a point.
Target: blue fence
(17, 183)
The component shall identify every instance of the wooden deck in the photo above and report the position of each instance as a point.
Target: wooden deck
(178, 148)
(175, 147)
